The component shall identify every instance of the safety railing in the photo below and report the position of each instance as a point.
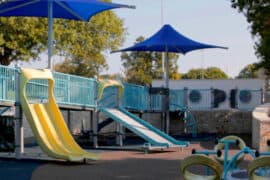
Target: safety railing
(37, 90)
(135, 97)
(7, 84)
(68, 89)
(178, 98)
(75, 90)
(110, 97)
(80, 91)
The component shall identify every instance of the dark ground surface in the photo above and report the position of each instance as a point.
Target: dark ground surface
(113, 165)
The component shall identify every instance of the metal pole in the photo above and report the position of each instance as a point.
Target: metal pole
(119, 136)
(50, 34)
(95, 120)
(167, 69)
(167, 122)
(19, 146)
(162, 54)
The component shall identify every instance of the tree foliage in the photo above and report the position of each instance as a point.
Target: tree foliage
(209, 73)
(249, 71)
(142, 67)
(84, 55)
(82, 44)
(257, 13)
(21, 38)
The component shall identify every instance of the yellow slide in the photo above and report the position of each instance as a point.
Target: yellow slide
(47, 122)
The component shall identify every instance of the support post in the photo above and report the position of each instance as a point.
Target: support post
(167, 98)
(68, 120)
(95, 119)
(119, 137)
(19, 144)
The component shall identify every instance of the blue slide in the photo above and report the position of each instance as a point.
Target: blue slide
(152, 135)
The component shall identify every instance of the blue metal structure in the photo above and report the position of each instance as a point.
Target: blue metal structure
(80, 91)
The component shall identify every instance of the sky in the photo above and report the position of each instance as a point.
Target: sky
(208, 21)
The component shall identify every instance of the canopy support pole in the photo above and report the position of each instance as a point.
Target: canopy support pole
(50, 35)
(167, 101)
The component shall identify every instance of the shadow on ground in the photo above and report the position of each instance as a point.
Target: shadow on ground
(131, 169)
(14, 170)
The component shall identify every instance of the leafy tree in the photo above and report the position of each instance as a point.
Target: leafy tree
(258, 15)
(84, 55)
(142, 67)
(82, 44)
(215, 73)
(209, 73)
(21, 38)
(194, 74)
(249, 71)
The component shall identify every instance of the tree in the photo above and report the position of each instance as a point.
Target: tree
(249, 71)
(209, 73)
(82, 44)
(194, 74)
(258, 15)
(21, 39)
(142, 67)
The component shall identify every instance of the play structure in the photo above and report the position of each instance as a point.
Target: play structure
(36, 98)
(123, 105)
(46, 121)
(112, 108)
(226, 167)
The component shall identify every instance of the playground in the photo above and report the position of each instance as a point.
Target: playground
(131, 131)
(157, 155)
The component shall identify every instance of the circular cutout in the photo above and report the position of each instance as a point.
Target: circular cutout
(245, 96)
(195, 96)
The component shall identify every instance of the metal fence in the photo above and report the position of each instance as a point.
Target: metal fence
(68, 89)
(75, 90)
(80, 91)
(7, 84)
(135, 97)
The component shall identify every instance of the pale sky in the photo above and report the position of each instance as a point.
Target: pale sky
(208, 21)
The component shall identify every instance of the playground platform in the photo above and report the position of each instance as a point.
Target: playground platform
(113, 165)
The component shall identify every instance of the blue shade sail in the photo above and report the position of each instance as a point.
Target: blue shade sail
(167, 39)
(66, 9)
(81, 10)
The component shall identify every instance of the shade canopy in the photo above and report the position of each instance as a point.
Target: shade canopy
(167, 39)
(81, 10)
(67, 9)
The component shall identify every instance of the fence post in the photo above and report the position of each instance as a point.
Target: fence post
(19, 144)
(212, 97)
(262, 96)
(185, 96)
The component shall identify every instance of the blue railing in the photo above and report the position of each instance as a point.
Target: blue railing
(37, 90)
(75, 90)
(135, 97)
(7, 84)
(68, 89)
(110, 97)
(80, 91)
